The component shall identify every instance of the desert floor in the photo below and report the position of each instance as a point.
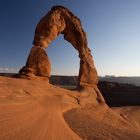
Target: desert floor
(36, 110)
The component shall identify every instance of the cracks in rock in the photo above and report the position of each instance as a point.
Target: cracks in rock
(78, 101)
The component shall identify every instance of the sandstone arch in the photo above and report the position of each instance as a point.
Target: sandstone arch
(59, 20)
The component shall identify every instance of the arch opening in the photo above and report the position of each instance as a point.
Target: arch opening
(64, 58)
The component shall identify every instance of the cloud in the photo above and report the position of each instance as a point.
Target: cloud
(8, 70)
(1, 69)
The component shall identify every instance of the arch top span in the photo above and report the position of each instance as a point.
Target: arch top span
(59, 20)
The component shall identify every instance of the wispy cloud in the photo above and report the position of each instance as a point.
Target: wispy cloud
(8, 70)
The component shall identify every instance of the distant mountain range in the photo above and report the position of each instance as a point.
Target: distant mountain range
(72, 80)
(122, 79)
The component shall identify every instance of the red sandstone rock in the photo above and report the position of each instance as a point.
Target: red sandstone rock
(60, 20)
(37, 64)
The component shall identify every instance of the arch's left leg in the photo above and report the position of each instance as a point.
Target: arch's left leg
(37, 63)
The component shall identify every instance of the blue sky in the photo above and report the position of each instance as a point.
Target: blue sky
(112, 26)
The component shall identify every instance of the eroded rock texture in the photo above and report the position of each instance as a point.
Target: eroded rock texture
(59, 20)
(37, 64)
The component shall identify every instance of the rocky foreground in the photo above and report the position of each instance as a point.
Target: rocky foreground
(36, 110)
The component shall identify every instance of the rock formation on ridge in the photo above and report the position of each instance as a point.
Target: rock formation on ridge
(59, 20)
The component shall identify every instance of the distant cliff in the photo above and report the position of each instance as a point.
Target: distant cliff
(63, 80)
(122, 79)
(72, 80)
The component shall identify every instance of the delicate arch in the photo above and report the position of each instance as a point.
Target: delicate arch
(60, 20)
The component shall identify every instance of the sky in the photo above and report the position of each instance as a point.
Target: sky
(112, 27)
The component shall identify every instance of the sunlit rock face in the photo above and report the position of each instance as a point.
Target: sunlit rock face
(59, 20)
